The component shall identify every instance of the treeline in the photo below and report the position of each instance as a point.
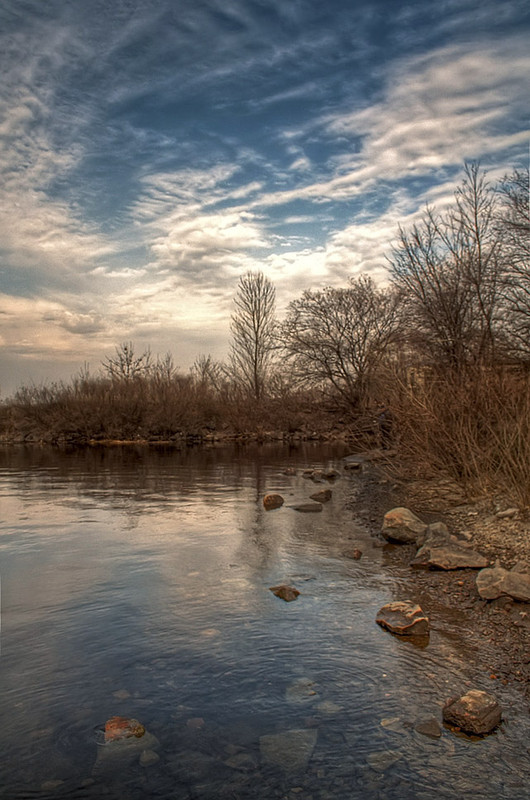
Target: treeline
(445, 345)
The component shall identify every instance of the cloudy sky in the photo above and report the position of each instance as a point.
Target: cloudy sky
(152, 151)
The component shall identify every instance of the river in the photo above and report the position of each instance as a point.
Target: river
(135, 582)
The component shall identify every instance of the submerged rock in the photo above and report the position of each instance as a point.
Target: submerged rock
(301, 692)
(330, 474)
(324, 496)
(308, 508)
(474, 712)
(284, 592)
(117, 728)
(271, 501)
(496, 582)
(404, 618)
(429, 727)
(290, 750)
(401, 525)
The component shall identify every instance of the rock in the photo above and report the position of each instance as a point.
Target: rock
(404, 618)
(120, 753)
(121, 694)
(308, 507)
(474, 712)
(496, 582)
(50, 786)
(195, 723)
(353, 464)
(355, 554)
(328, 707)
(509, 513)
(301, 692)
(401, 525)
(289, 471)
(290, 750)
(317, 475)
(330, 474)
(243, 762)
(436, 532)
(383, 760)
(429, 727)
(449, 554)
(324, 496)
(271, 501)
(284, 592)
(117, 728)
(148, 758)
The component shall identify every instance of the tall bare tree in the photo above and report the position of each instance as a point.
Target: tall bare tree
(514, 223)
(449, 268)
(338, 337)
(253, 328)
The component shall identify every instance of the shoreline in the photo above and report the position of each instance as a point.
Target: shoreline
(498, 630)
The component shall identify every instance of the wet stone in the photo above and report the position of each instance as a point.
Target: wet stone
(429, 727)
(308, 508)
(291, 750)
(284, 592)
(324, 496)
(271, 501)
(404, 618)
(301, 692)
(474, 712)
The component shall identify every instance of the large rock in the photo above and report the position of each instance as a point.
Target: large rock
(474, 712)
(271, 501)
(404, 618)
(401, 525)
(496, 582)
(449, 554)
(290, 750)
(125, 742)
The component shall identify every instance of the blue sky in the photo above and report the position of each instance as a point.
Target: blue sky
(152, 151)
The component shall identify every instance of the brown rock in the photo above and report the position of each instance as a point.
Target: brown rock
(449, 555)
(429, 727)
(498, 582)
(474, 712)
(324, 496)
(307, 508)
(122, 728)
(401, 525)
(284, 592)
(271, 501)
(404, 618)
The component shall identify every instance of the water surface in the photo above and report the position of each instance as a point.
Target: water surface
(135, 582)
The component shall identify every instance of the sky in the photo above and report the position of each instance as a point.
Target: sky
(153, 151)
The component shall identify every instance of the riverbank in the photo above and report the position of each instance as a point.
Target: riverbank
(498, 630)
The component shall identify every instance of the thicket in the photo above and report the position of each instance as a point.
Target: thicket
(446, 346)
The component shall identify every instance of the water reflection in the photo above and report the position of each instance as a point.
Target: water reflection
(135, 582)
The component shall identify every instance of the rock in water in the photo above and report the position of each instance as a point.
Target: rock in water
(308, 507)
(284, 592)
(401, 525)
(290, 750)
(429, 727)
(474, 712)
(117, 728)
(271, 501)
(404, 618)
(324, 496)
(301, 692)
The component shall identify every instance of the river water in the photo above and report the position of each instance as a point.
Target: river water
(135, 582)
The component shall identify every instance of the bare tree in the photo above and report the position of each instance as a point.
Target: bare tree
(125, 365)
(338, 337)
(253, 328)
(449, 268)
(514, 224)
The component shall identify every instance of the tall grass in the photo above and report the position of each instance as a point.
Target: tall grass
(474, 425)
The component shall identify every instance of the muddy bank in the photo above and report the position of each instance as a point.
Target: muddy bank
(499, 630)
